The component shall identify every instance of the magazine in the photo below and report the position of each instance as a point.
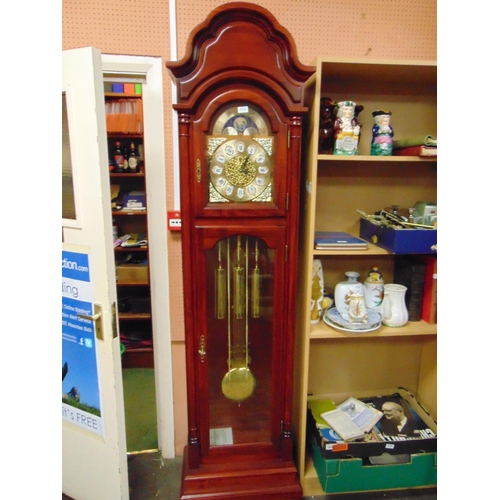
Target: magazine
(342, 424)
(352, 419)
(400, 422)
(365, 417)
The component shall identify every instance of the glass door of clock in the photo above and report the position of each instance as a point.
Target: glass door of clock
(241, 339)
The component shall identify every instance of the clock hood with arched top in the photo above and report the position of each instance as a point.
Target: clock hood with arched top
(240, 43)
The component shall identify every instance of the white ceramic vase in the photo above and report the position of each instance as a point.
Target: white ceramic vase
(344, 290)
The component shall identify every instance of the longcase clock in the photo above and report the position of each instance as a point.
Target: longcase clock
(240, 108)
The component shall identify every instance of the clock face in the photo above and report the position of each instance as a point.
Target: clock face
(240, 152)
(241, 168)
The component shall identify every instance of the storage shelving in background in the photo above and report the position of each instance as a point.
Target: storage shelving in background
(124, 120)
(332, 363)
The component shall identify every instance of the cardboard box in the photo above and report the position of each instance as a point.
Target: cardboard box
(357, 474)
(424, 440)
(132, 273)
(399, 240)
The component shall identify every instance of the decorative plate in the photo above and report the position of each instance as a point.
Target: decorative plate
(333, 318)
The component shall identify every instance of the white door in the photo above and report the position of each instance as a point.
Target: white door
(94, 464)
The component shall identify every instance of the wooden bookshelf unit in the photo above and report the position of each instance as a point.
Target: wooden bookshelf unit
(332, 363)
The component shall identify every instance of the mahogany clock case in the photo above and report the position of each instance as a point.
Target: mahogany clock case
(240, 132)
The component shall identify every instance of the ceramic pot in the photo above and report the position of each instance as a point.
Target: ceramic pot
(344, 290)
(394, 311)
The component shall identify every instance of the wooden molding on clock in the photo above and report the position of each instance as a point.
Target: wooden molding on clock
(259, 49)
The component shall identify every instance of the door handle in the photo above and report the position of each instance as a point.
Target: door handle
(96, 318)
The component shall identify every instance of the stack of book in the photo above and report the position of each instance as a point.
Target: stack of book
(131, 240)
(338, 240)
(124, 116)
(415, 146)
(135, 240)
(419, 274)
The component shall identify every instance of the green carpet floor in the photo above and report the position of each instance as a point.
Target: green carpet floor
(140, 408)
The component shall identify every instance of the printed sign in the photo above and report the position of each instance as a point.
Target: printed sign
(81, 403)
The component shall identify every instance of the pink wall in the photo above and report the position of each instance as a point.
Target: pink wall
(350, 28)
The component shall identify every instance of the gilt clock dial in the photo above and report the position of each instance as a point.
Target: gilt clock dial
(240, 152)
(241, 170)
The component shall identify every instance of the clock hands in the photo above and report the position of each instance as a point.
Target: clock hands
(244, 169)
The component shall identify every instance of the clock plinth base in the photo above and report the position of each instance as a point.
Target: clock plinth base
(254, 480)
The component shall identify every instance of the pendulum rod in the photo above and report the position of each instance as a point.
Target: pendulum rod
(255, 284)
(220, 286)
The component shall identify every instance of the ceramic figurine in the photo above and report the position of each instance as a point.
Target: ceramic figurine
(382, 134)
(347, 128)
(325, 145)
(357, 309)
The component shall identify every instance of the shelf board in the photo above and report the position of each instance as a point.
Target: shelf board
(377, 159)
(412, 328)
(124, 175)
(394, 73)
(131, 249)
(133, 284)
(130, 212)
(125, 135)
(122, 95)
(134, 316)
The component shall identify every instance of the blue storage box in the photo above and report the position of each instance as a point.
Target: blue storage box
(399, 241)
(117, 88)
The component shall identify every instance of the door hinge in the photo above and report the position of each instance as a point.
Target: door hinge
(287, 200)
(288, 138)
(286, 253)
(114, 320)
